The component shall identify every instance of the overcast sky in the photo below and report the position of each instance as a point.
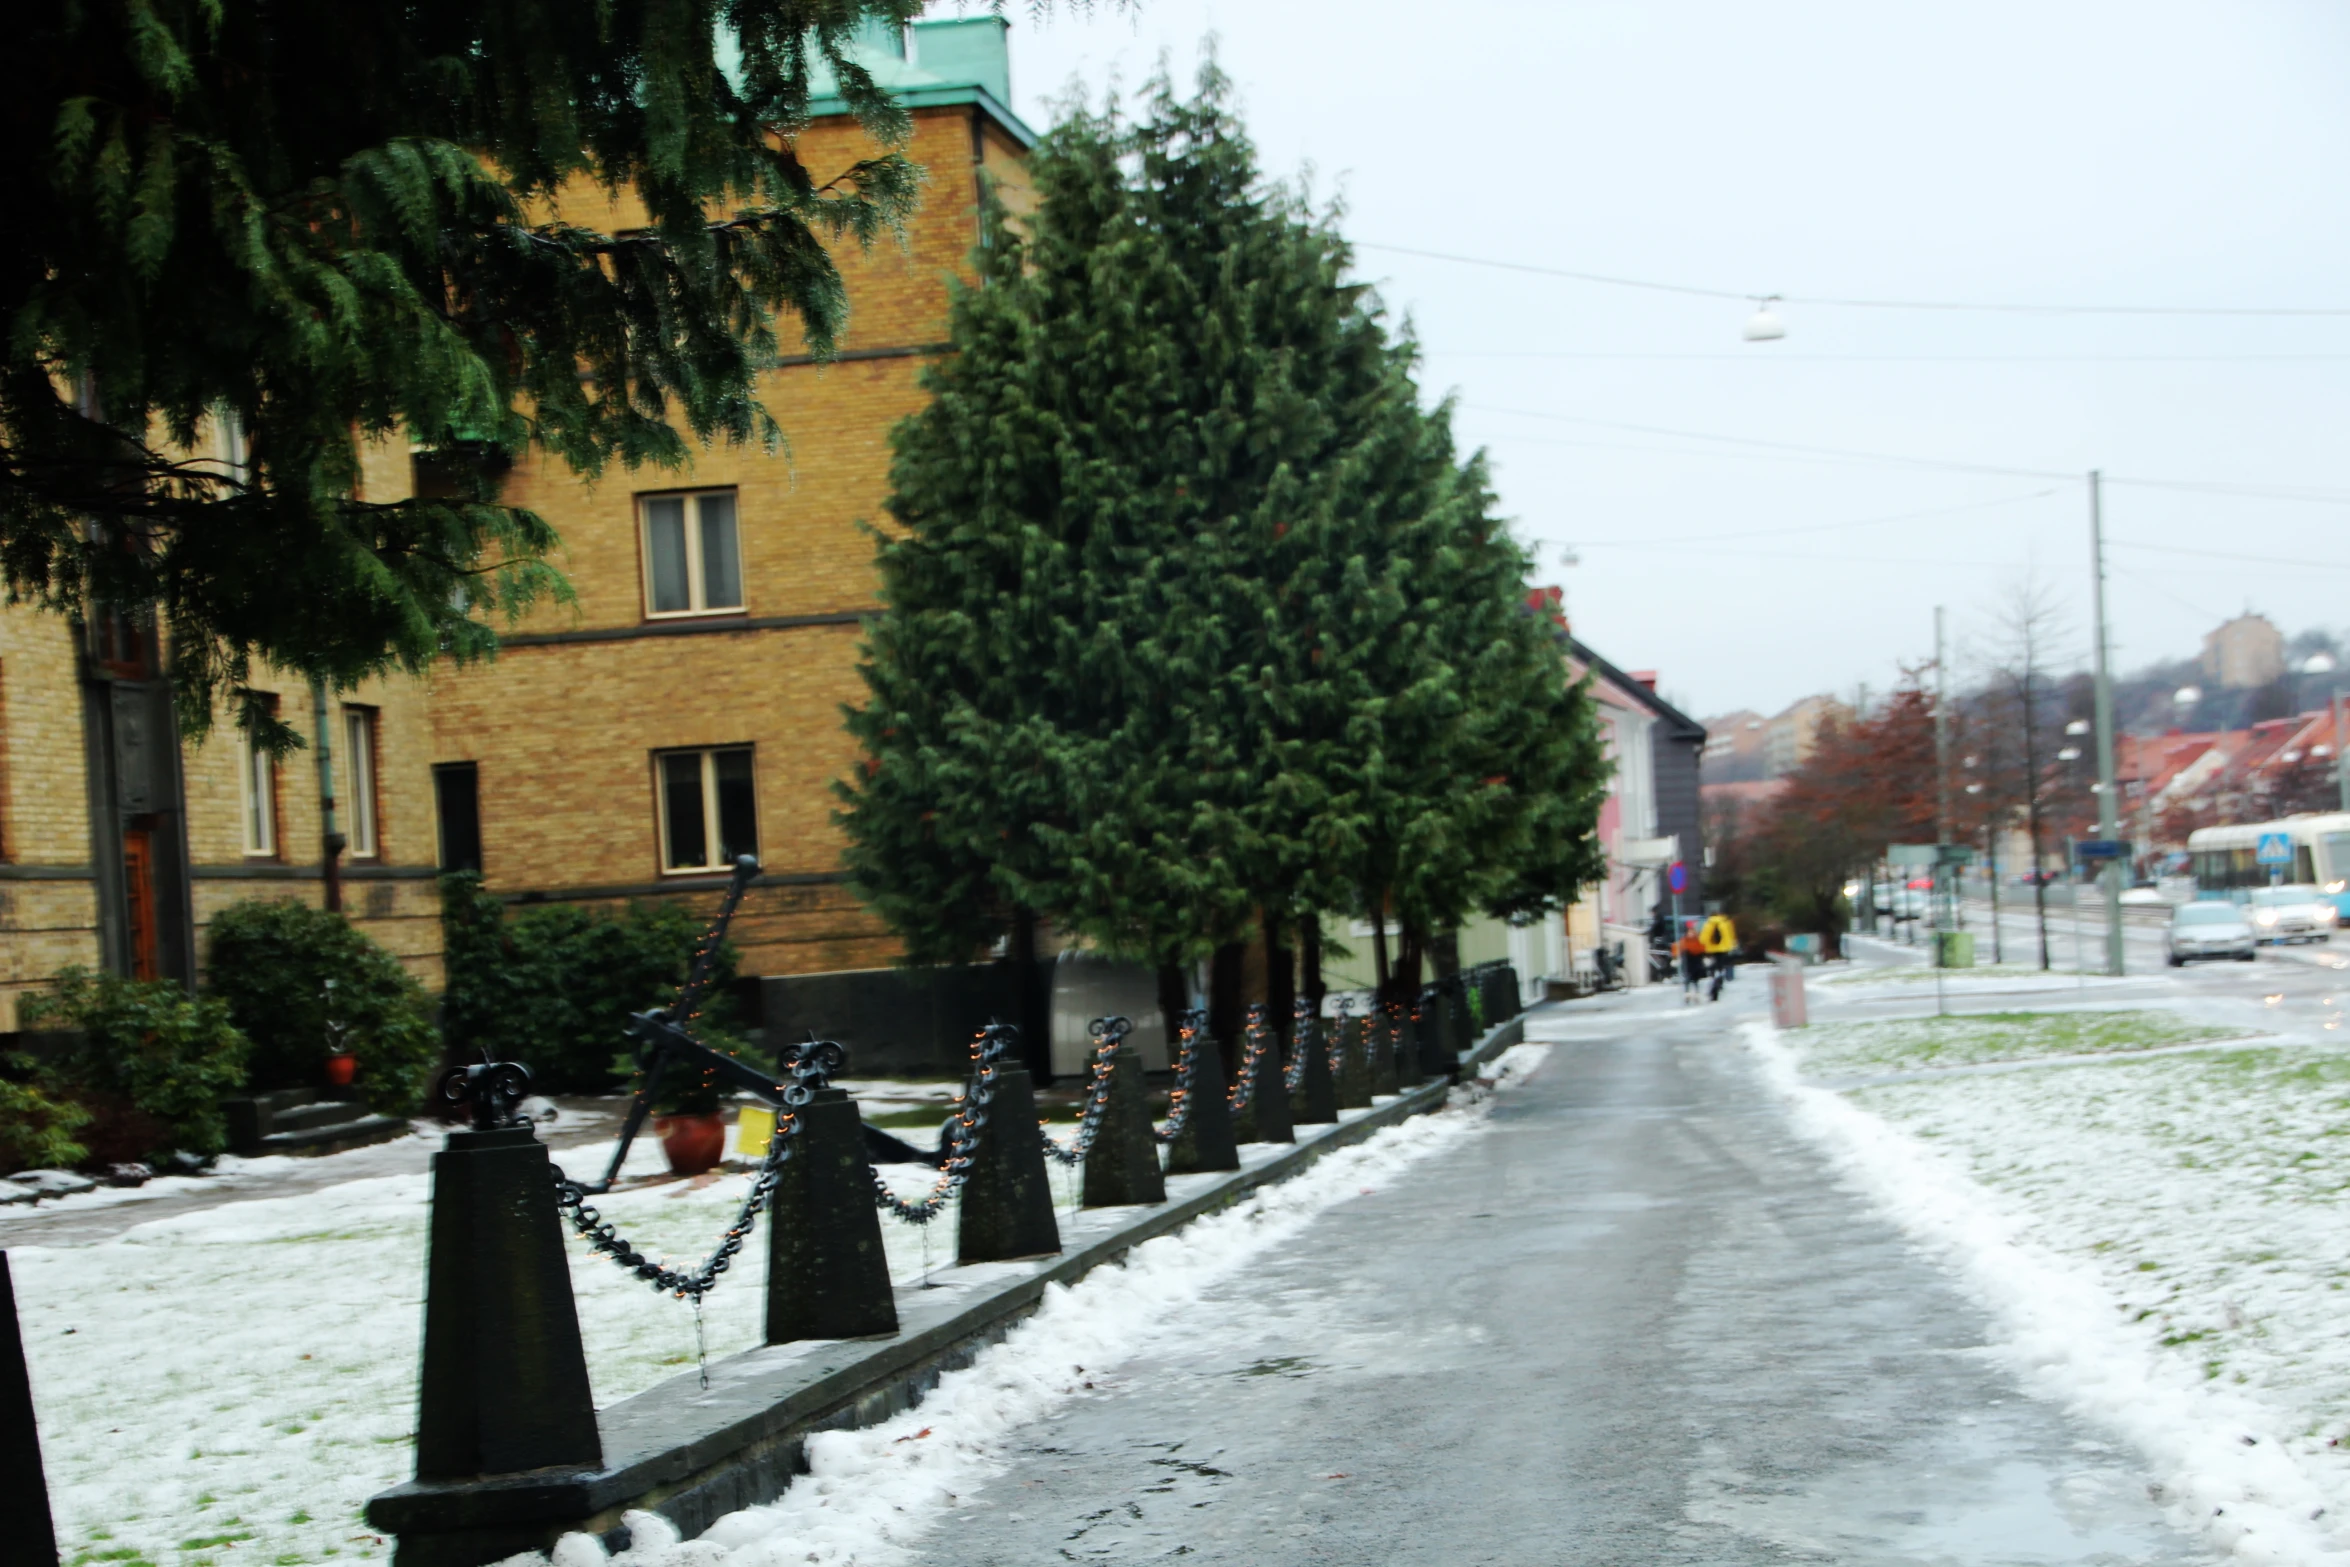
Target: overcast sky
(2107, 154)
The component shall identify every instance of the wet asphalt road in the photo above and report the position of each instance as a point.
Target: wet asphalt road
(1634, 1321)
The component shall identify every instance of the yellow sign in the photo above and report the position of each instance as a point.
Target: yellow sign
(1718, 934)
(754, 1131)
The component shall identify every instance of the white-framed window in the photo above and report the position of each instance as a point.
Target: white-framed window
(257, 795)
(359, 782)
(709, 812)
(693, 559)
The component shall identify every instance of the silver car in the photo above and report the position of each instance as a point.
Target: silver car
(2291, 913)
(2209, 930)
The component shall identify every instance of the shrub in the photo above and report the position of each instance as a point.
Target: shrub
(148, 1062)
(297, 979)
(552, 987)
(36, 1131)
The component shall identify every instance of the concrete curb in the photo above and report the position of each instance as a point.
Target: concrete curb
(695, 1454)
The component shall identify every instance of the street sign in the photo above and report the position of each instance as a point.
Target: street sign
(1954, 854)
(2276, 848)
(2101, 849)
(1912, 853)
(1677, 876)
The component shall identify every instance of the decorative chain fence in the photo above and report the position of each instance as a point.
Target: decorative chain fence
(1302, 1026)
(810, 1066)
(988, 1048)
(1109, 1037)
(1190, 1028)
(1241, 1091)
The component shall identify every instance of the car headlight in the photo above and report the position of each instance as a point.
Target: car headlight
(2338, 887)
(2266, 916)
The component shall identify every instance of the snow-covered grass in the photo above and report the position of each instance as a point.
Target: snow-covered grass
(2160, 1237)
(1922, 973)
(1912, 1044)
(870, 1494)
(230, 1386)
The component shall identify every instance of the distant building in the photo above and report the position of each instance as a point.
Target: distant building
(1734, 747)
(1790, 738)
(2248, 651)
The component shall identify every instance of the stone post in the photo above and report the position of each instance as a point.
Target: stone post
(1354, 1065)
(827, 1273)
(505, 1385)
(1206, 1141)
(1384, 1076)
(24, 1490)
(1008, 1198)
(1314, 1102)
(1122, 1167)
(1433, 1034)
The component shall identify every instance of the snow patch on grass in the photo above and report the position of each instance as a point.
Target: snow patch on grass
(1981, 1038)
(249, 1371)
(2049, 1193)
(870, 1494)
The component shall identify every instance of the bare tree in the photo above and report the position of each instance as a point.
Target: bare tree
(2031, 624)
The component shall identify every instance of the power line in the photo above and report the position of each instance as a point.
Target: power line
(1816, 527)
(1848, 302)
(1750, 357)
(2231, 555)
(1782, 446)
(1680, 546)
(2196, 486)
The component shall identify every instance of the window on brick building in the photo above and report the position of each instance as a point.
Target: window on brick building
(359, 804)
(456, 796)
(709, 814)
(693, 562)
(257, 793)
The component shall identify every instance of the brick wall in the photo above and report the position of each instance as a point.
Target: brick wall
(563, 724)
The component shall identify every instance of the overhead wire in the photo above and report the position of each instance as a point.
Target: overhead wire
(1849, 302)
(1823, 527)
(1750, 357)
(1890, 459)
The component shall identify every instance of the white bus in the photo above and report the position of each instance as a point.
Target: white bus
(2224, 863)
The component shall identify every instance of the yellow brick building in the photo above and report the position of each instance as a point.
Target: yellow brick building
(686, 707)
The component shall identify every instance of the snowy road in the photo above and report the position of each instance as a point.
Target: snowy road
(1635, 1320)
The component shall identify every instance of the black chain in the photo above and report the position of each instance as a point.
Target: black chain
(1243, 1088)
(1109, 1036)
(988, 1048)
(806, 1063)
(1188, 1028)
(1346, 1015)
(1302, 1024)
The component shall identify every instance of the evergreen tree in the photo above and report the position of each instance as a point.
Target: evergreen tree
(1136, 388)
(1194, 616)
(318, 224)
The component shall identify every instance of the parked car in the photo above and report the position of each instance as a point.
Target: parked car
(2145, 898)
(2209, 930)
(2039, 878)
(2292, 912)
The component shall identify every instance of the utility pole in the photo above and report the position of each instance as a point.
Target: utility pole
(2108, 791)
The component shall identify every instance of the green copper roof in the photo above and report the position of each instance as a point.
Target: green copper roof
(955, 60)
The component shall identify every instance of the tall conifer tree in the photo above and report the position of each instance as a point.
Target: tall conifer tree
(1193, 613)
(315, 223)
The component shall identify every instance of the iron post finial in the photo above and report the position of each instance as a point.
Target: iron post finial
(493, 1090)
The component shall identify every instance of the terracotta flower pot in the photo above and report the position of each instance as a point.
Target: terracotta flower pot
(694, 1143)
(340, 1069)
